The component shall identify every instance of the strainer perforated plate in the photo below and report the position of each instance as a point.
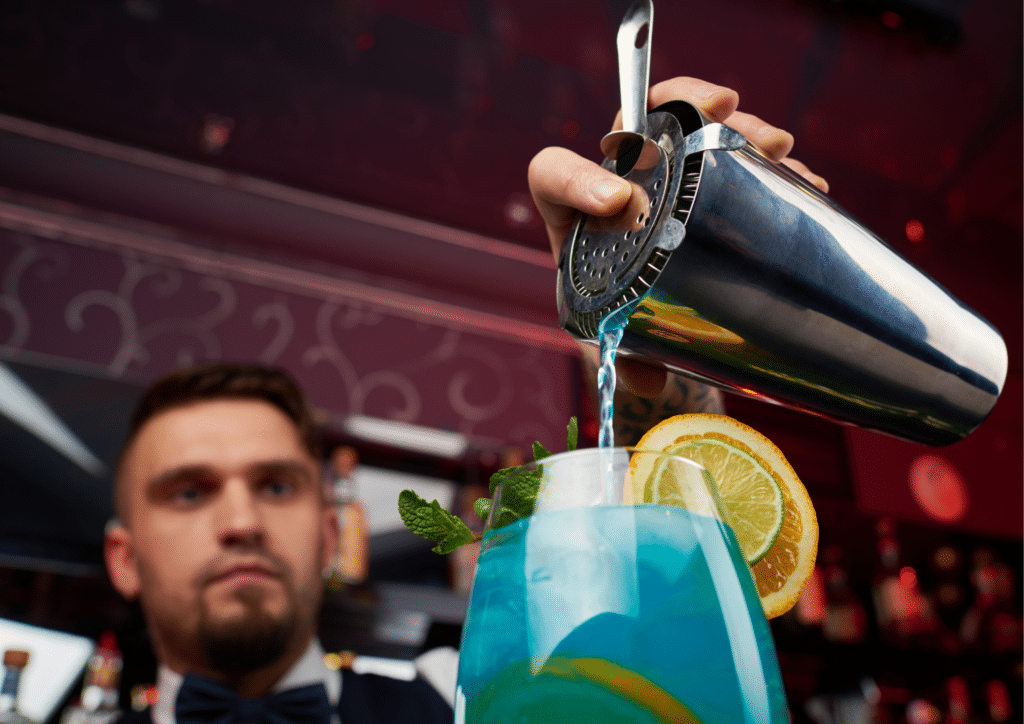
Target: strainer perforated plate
(608, 262)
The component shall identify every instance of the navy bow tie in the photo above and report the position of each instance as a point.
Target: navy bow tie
(201, 701)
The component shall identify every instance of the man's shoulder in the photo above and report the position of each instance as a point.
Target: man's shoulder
(372, 698)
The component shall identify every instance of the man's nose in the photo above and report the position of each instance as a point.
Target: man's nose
(239, 517)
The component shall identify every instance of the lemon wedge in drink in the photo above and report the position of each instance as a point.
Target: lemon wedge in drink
(753, 498)
(576, 689)
(766, 504)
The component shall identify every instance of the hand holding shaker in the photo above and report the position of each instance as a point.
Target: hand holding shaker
(747, 277)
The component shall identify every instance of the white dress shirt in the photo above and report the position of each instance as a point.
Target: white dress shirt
(309, 669)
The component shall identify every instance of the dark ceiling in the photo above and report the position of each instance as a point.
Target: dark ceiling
(435, 109)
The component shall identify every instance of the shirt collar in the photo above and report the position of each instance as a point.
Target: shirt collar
(309, 669)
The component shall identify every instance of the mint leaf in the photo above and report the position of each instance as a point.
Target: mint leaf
(433, 522)
(519, 496)
(519, 493)
(499, 476)
(482, 507)
(506, 516)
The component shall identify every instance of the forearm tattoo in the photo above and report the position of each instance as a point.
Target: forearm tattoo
(636, 415)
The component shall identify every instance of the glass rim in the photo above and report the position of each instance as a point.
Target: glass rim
(550, 474)
(618, 449)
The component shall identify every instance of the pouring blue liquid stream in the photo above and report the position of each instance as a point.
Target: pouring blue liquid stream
(610, 332)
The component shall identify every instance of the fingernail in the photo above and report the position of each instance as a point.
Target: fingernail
(605, 190)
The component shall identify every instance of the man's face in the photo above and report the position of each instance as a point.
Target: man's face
(226, 534)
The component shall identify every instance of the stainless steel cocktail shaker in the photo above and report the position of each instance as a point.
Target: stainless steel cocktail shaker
(753, 280)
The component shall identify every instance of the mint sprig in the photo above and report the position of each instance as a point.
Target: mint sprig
(519, 495)
(433, 522)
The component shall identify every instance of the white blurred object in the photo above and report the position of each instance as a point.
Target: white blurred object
(21, 405)
(57, 660)
(392, 668)
(406, 436)
(379, 490)
(440, 667)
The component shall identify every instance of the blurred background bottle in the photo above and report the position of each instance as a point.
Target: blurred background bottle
(15, 661)
(352, 561)
(98, 701)
(959, 696)
(905, 615)
(997, 696)
(949, 594)
(888, 596)
(846, 619)
(992, 623)
(462, 561)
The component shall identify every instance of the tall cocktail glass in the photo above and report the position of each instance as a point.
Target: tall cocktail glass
(596, 610)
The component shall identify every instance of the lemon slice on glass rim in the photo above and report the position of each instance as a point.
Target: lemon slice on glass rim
(766, 505)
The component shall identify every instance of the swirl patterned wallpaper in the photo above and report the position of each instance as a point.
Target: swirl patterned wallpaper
(135, 311)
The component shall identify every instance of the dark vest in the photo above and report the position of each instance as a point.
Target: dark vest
(373, 699)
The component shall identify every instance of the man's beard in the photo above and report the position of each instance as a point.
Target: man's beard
(249, 642)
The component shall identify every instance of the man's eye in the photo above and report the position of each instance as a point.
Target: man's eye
(189, 494)
(278, 487)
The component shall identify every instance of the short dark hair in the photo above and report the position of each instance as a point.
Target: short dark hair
(219, 381)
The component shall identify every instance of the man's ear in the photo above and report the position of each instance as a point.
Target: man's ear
(122, 564)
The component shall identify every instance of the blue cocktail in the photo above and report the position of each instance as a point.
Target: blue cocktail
(592, 610)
